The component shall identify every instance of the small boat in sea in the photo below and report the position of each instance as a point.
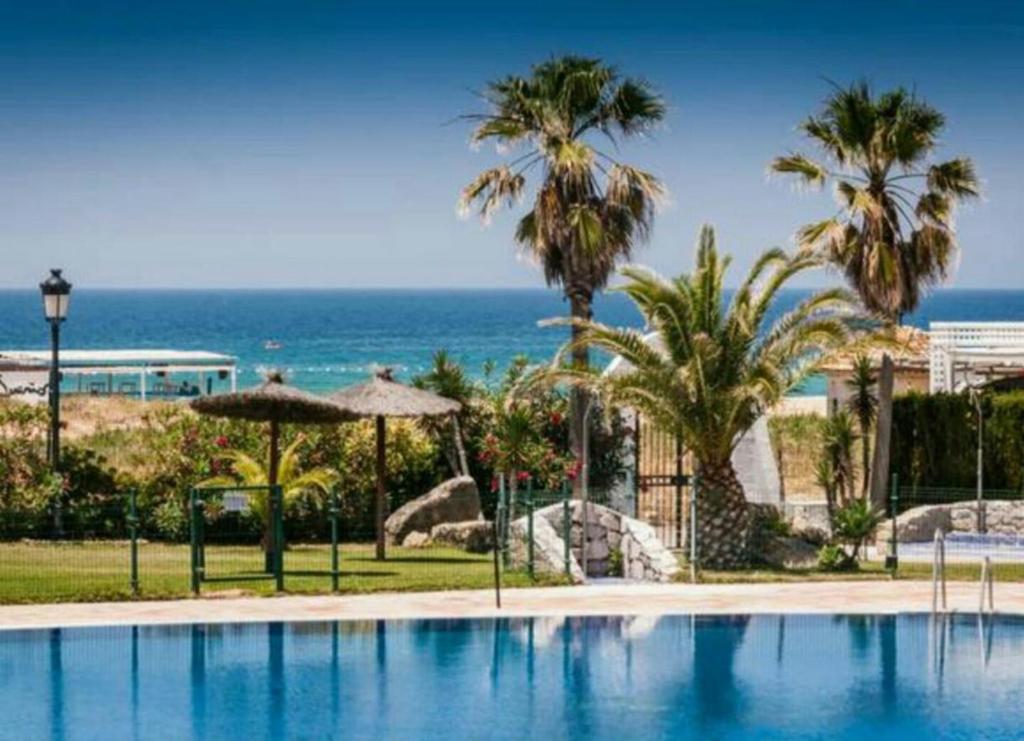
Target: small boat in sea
(271, 345)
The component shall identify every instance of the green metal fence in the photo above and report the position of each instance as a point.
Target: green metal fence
(973, 526)
(106, 547)
(247, 517)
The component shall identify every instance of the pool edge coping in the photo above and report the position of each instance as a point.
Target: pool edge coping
(810, 598)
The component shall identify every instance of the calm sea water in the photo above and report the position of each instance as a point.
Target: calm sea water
(679, 677)
(331, 339)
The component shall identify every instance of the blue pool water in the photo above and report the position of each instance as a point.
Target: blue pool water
(680, 677)
(332, 338)
(969, 546)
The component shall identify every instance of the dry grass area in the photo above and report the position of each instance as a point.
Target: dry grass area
(797, 440)
(87, 415)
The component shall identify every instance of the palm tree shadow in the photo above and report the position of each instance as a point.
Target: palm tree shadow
(419, 559)
(341, 575)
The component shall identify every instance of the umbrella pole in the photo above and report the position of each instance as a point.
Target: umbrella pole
(381, 493)
(268, 537)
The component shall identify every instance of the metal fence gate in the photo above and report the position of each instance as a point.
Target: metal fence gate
(244, 547)
(663, 483)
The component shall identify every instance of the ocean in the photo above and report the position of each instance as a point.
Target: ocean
(332, 338)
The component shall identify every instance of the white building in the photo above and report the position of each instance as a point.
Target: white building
(144, 374)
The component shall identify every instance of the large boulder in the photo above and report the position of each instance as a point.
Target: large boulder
(455, 500)
(916, 525)
(1000, 517)
(789, 553)
(474, 536)
(416, 539)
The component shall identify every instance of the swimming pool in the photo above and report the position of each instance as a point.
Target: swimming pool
(969, 547)
(767, 676)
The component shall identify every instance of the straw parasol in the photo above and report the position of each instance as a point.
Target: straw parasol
(382, 397)
(275, 402)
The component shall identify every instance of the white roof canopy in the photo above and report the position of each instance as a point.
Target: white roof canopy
(964, 354)
(115, 360)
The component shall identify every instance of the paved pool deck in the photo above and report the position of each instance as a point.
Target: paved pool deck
(860, 597)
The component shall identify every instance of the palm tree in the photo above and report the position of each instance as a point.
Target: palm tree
(448, 378)
(709, 371)
(839, 439)
(893, 235)
(589, 209)
(863, 404)
(248, 471)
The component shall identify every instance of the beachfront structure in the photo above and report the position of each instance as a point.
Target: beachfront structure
(949, 357)
(910, 367)
(972, 354)
(142, 374)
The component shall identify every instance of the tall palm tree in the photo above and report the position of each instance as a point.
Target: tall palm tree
(863, 404)
(893, 235)
(589, 209)
(711, 370)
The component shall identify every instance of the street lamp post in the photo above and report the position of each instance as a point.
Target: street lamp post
(975, 394)
(56, 294)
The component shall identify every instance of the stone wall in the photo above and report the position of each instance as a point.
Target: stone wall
(1002, 517)
(614, 541)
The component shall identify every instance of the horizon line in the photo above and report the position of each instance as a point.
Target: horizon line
(425, 289)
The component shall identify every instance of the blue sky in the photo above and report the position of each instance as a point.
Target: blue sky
(292, 144)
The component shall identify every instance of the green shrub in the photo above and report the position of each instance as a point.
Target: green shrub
(834, 557)
(170, 521)
(935, 439)
(854, 523)
(616, 564)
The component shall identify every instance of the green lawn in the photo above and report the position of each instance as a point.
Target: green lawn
(867, 571)
(95, 570)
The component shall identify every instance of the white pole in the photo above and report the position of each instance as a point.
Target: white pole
(234, 379)
(142, 383)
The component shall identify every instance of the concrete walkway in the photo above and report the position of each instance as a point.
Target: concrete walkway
(621, 599)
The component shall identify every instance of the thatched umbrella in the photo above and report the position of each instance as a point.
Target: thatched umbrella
(382, 397)
(274, 402)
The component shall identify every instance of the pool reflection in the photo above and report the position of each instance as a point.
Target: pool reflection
(556, 677)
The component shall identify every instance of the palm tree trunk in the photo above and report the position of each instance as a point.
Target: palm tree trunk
(723, 519)
(580, 307)
(275, 462)
(460, 448)
(380, 504)
(865, 451)
(883, 431)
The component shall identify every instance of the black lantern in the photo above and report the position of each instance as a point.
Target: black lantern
(56, 293)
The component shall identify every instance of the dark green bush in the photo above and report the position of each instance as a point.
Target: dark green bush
(935, 438)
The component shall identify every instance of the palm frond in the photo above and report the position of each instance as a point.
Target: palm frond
(807, 169)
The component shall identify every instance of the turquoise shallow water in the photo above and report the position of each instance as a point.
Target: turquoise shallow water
(611, 678)
(334, 338)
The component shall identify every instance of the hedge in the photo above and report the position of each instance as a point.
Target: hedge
(935, 440)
